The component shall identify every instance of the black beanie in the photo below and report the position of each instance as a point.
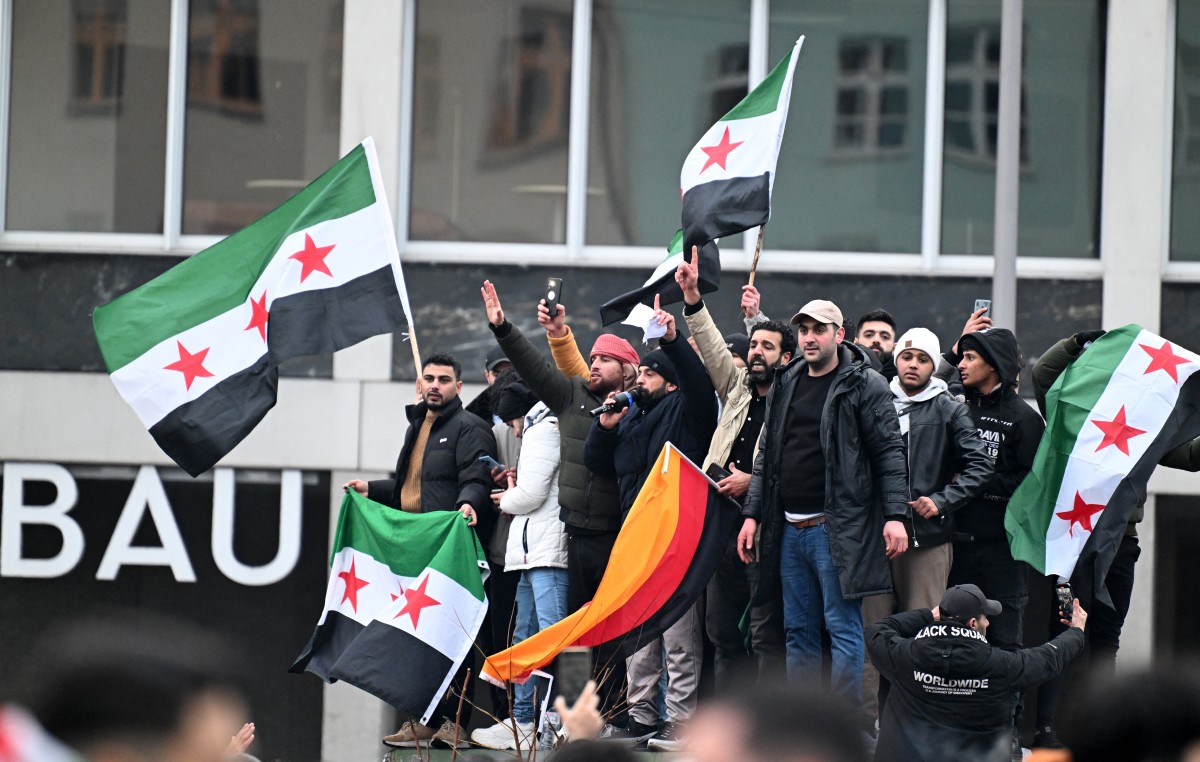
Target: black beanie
(658, 362)
(515, 401)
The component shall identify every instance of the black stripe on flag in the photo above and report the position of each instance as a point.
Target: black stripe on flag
(329, 641)
(328, 319)
(722, 517)
(724, 207)
(199, 433)
(397, 667)
(665, 287)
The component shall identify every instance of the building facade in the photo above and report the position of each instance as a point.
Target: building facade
(521, 140)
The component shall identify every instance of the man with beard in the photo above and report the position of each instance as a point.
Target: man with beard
(743, 395)
(676, 405)
(877, 332)
(589, 503)
(439, 469)
(947, 466)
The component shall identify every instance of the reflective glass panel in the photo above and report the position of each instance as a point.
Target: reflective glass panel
(662, 73)
(849, 175)
(1185, 169)
(1061, 115)
(264, 83)
(491, 114)
(87, 127)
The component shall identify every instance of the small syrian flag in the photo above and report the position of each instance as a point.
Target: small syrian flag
(404, 603)
(727, 178)
(195, 352)
(1127, 401)
(661, 282)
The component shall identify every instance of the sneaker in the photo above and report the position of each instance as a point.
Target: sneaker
(670, 738)
(409, 734)
(446, 734)
(500, 736)
(1046, 738)
(633, 734)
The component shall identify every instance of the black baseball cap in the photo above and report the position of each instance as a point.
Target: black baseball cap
(965, 602)
(494, 357)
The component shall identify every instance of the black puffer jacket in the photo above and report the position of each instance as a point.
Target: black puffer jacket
(451, 472)
(865, 479)
(1009, 429)
(946, 463)
(590, 503)
(686, 418)
(952, 693)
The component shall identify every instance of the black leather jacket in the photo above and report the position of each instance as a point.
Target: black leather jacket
(865, 479)
(946, 463)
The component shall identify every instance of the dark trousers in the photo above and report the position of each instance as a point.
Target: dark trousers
(587, 558)
(1104, 625)
(990, 565)
(728, 595)
(496, 633)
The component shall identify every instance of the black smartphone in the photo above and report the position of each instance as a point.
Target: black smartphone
(553, 290)
(716, 473)
(982, 304)
(573, 668)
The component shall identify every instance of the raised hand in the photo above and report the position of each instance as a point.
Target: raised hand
(750, 301)
(665, 318)
(556, 325)
(491, 303)
(687, 275)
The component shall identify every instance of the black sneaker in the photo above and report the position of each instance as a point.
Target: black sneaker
(632, 735)
(1046, 738)
(670, 738)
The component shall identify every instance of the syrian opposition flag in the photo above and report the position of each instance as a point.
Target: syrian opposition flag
(403, 606)
(727, 177)
(662, 560)
(1123, 404)
(196, 351)
(661, 282)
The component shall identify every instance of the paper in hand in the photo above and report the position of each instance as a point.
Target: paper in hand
(642, 316)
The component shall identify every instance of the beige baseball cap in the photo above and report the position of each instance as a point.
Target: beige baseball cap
(821, 310)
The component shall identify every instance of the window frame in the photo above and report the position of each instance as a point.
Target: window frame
(575, 250)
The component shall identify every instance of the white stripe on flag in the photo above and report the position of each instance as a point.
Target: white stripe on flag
(382, 587)
(1094, 473)
(449, 625)
(759, 137)
(359, 248)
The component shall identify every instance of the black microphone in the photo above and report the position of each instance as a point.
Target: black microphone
(620, 402)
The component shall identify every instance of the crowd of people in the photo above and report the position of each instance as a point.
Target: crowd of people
(872, 471)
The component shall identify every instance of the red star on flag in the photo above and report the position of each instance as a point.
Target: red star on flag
(1164, 359)
(354, 583)
(190, 365)
(258, 318)
(415, 600)
(1081, 514)
(313, 258)
(1117, 432)
(720, 152)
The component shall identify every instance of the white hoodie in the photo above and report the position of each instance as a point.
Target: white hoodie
(537, 538)
(902, 401)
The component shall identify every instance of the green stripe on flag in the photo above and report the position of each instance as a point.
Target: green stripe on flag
(764, 99)
(1069, 403)
(439, 540)
(219, 278)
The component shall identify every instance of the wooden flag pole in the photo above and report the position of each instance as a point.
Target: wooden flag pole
(757, 249)
(412, 340)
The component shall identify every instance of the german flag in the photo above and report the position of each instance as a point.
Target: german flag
(663, 558)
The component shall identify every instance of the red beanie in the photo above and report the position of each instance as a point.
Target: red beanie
(616, 347)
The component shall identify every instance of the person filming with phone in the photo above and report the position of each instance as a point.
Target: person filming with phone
(952, 692)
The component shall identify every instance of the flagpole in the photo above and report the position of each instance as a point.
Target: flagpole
(412, 340)
(757, 249)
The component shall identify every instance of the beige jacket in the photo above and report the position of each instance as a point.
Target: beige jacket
(729, 382)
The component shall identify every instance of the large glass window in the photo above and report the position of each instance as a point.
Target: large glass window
(662, 72)
(491, 115)
(850, 169)
(1061, 115)
(263, 106)
(87, 131)
(1185, 169)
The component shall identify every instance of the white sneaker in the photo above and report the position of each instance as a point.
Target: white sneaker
(500, 736)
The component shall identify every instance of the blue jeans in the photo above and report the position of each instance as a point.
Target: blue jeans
(541, 601)
(810, 587)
